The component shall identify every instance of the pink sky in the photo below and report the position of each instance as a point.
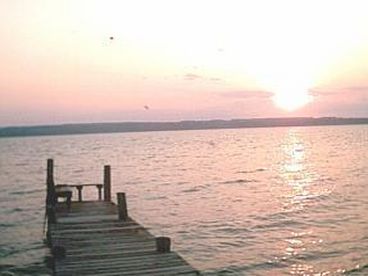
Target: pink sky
(188, 60)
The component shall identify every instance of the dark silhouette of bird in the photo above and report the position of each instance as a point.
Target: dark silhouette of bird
(146, 107)
(111, 38)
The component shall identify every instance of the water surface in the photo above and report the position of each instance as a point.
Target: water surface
(267, 201)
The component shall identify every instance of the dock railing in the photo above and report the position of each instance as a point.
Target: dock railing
(53, 190)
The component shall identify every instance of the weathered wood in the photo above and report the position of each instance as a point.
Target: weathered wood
(58, 251)
(97, 242)
(153, 270)
(50, 170)
(79, 188)
(50, 196)
(50, 199)
(163, 244)
(107, 183)
(51, 216)
(99, 238)
(122, 206)
(64, 192)
(84, 185)
(99, 188)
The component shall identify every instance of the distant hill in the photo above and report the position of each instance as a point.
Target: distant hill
(89, 128)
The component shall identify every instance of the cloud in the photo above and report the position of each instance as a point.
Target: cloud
(191, 76)
(354, 91)
(361, 89)
(316, 92)
(247, 94)
(349, 101)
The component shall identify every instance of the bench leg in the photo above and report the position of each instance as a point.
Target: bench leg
(69, 201)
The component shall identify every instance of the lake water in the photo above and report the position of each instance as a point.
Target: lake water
(266, 201)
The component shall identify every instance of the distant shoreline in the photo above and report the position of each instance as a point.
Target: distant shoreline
(94, 128)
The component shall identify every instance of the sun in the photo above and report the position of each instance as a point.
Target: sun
(291, 99)
(289, 84)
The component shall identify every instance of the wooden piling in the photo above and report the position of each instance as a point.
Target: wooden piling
(50, 196)
(58, 251)
(107, 183)
(50, 215)
(163, 244)
(122, 207)
(50, 170)
(79, 188)
(99, 188)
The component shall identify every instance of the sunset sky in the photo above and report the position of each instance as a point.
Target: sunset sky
(98, 61)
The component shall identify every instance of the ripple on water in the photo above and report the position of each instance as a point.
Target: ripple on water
(27, 192)
(250, 171)
(238, 181)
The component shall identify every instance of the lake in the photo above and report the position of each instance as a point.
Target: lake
(261, 201)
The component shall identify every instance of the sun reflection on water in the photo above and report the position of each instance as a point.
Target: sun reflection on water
(296, 178)
(294, 172)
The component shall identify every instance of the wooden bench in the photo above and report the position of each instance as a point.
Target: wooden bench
(64, 191)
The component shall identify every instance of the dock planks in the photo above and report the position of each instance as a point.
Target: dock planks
(98, 243)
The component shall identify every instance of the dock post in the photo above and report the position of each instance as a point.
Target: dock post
(51, 216)
(50, 198)
(58, 251)
(79, 188)
(163, 244)
(107, 183)
(50, 192)
(122, 207)
(99, 188)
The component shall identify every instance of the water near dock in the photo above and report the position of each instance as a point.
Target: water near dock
(277, 201)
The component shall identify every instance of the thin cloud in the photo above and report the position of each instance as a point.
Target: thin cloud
(247, 94)
(191, 77)
(317, 92)
(361, 89)
(357, 90)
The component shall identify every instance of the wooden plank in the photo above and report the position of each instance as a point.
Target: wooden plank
(165, 270)
(137, 262)
(96, 242)
(104, 231)
(84, 185)
(104, 240)
(85, 219)
(88, 225)
(151, 256)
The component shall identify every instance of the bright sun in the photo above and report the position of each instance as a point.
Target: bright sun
(292, 100)
(291, 96)
(290, 88)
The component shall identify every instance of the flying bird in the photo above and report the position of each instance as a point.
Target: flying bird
(146, 107)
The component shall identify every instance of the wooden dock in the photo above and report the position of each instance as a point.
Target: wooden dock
(99, 238)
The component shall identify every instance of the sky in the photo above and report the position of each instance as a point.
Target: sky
(73, 61)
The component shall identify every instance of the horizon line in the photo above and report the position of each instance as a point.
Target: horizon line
(175, 121)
